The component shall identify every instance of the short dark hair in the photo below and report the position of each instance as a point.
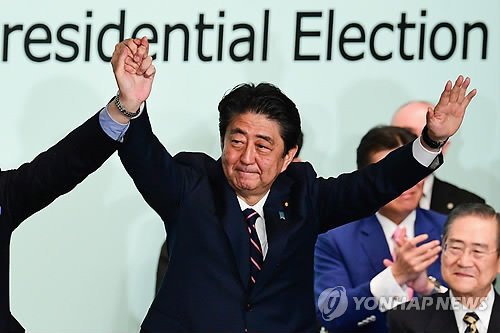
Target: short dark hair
(381, 138)
(265, 99)
(472, 209)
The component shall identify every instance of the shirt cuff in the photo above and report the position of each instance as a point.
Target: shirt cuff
(422, 155)
(387, 291)
(112, 128)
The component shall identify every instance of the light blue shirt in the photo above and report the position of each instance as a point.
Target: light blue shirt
(113, 129)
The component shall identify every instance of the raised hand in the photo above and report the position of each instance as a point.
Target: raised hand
(134, 72)
(445, 119)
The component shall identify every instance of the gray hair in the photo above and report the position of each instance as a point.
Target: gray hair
(472, 209)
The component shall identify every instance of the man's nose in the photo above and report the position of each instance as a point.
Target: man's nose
(248, 155)
(465, 259)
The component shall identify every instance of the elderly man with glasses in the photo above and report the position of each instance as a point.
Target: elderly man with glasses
(469, 264)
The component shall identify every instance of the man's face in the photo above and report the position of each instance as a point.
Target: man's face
(470, 261)
(252, 155)
(407, 201)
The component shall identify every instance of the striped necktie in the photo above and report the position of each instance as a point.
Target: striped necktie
(471, 318)
(256, 257)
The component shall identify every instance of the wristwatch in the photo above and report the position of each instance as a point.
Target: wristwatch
(431, 143)
(119, 106)
(438, 287)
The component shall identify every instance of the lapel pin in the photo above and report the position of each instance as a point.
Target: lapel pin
(282, 215)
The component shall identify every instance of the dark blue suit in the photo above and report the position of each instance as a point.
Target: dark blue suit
(352, 255)
(205, 287)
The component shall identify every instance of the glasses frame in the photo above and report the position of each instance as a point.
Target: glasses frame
(472, 254)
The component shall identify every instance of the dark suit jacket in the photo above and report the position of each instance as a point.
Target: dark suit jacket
(433, 318)
(162, 266)
(446, 196)
(34, 185)
(205, 287)
(352, 255)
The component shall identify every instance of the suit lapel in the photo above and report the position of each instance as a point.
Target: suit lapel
(229, 214)
(494, 324)
(442, 320)
(374, 243)
(422, 225)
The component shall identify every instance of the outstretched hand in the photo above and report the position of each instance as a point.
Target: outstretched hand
(134, 72)
(445, 119)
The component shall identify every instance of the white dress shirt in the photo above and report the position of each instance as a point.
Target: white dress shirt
(483, 311)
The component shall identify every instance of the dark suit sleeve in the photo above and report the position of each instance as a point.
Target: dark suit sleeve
(159, 178)
(361, 193)
(330, 271)
(55, 172)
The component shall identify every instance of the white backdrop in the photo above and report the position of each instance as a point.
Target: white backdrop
(87, 263)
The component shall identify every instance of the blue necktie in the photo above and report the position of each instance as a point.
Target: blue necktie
(256, 257)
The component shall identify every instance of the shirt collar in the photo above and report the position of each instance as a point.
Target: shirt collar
(389, 227)
(483, 311)
(258, 207)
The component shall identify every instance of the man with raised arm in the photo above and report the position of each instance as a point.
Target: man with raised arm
(241, 229)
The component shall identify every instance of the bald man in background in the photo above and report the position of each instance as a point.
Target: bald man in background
(438, 195)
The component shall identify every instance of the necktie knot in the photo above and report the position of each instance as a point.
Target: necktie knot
(471, 318)
(250, 216)
(396, 233)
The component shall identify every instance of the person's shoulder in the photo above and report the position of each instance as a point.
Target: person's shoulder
(432, 215)
(417, 307)
(349, 230)
(454, 191)
(196, 160)
(300, 168)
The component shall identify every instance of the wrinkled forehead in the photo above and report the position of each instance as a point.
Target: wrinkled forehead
(472, 229)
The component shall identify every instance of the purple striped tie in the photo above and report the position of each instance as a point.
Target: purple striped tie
(256, 257)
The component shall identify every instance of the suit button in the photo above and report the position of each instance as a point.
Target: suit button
(249, 307)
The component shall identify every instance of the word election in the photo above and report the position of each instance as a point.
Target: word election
(315, 37)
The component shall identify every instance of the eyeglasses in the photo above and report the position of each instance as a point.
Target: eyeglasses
(457, 249)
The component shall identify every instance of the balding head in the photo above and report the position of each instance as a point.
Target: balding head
(412, 116)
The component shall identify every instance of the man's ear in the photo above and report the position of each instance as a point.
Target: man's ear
(289, 157)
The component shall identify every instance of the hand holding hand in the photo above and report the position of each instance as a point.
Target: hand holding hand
(134, 72)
